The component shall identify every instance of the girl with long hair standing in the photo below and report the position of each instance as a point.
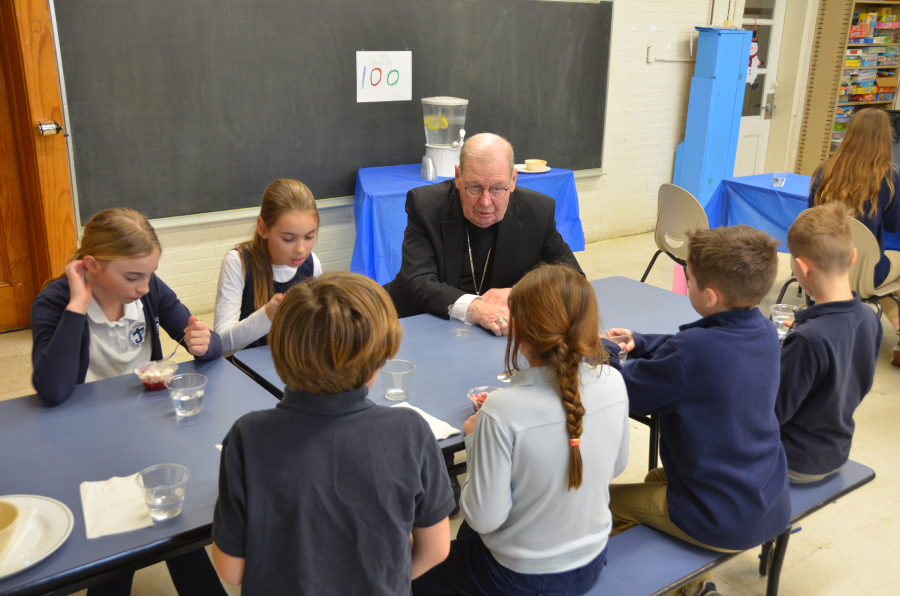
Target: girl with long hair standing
(541, 453)
(862, 175)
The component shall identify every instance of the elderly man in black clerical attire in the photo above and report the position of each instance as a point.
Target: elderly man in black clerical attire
(470, 239)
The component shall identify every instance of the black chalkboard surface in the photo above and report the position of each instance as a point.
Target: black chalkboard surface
(182, 107)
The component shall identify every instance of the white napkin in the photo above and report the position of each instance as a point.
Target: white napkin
(113, 506)
(441, 429)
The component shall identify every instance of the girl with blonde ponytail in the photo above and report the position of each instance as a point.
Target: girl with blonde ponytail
(102, 318)
(256, 274)
(541, 453)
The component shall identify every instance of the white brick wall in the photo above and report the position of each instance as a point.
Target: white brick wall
(646, 113)
(192, 252)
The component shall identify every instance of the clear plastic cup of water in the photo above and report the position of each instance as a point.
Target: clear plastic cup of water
(396, 376)
(778, 179)
(163, 489)
(461, 320)
(783, 317)
(187, 392)
(622, 337)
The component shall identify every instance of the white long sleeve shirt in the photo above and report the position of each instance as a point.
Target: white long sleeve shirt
(237, 334)
(516, 491)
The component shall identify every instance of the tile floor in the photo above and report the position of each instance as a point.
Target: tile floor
(851, 547)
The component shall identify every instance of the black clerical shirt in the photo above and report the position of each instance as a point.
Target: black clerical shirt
(482, 240)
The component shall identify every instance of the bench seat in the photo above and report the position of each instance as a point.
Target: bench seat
(646, 562)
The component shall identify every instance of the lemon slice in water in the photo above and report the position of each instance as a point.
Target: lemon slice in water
(434, 122)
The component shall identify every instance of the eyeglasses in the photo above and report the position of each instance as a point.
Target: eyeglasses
(477, 191)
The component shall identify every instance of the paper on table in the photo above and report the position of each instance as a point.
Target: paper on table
(441, 429)
(113, 506)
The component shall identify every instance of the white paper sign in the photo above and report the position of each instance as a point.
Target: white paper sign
(383, 76)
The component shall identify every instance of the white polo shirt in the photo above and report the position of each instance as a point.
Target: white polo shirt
(116, 346)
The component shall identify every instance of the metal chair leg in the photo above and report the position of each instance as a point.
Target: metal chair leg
(781, 544)
(650, 266)
(874, 302)
(654, 443)
(784, 289)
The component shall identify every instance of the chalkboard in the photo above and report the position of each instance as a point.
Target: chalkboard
(180, 107)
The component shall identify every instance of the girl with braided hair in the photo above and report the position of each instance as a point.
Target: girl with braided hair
(541, 453)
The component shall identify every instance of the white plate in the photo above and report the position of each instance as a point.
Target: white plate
(44, 525)
(521, 167)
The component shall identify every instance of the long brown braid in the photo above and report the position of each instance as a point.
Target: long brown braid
(553, 311)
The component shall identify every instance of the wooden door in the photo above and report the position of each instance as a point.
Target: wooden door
(17, 287)
(37, 216)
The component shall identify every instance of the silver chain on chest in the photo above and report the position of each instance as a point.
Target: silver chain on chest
(478, 287)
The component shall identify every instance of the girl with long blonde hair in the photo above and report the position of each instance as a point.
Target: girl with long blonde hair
(862, 175)
(541, 453)
(101, 319)
(256, 274)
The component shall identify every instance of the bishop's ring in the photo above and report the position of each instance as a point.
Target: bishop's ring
(501, 320)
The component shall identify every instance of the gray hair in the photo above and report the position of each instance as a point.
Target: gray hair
(484, 146)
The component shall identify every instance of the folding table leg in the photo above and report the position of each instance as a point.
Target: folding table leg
(781, 544)
(654, 442)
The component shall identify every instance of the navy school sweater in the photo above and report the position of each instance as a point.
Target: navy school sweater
(61, 339)
(827, 367)
(714, 386)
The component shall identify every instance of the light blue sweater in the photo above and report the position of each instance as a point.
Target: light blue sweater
(516, 492)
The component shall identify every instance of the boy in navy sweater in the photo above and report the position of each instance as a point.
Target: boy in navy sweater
(828, 357)
(320, 494)
(723, 484)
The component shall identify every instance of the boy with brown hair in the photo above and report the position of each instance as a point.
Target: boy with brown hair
(723, 484)
(320, 494)
(828, 357)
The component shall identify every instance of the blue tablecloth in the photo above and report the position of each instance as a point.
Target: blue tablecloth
(379, 209)
(753, 201)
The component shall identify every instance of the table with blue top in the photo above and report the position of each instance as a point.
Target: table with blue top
(448, 366)
(756, 202)
(112, 428)
(379, 209)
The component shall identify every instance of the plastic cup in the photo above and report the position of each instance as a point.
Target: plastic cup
(187, 392)
(396, 376)
(623, 338)
(783, 317)
(478, 395)
(778, 179)
(154, 374)
(461, 320)
(163, 488)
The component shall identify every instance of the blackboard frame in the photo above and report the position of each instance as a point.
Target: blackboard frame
(144, 136)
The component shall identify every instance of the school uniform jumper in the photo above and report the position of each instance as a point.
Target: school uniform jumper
(238, 322)
(524, 529)
(320, 494)
(827, 366)
(714, 386)
(61, 338)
